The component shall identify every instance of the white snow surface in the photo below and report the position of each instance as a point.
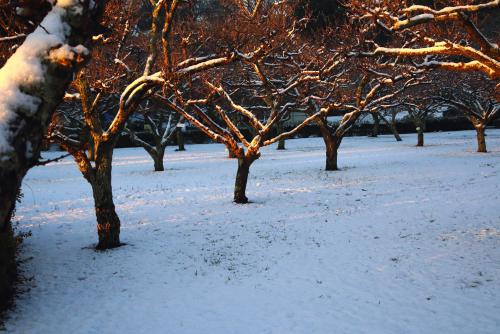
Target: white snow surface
(401, 240)
(24, 68)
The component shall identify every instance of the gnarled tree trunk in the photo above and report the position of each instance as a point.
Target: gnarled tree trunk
(108, 223)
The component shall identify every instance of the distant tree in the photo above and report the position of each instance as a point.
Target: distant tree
(389, 110)
(161, 126)
(475, 100)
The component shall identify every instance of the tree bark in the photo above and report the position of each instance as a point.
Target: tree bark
(240, 184)
(481, 139)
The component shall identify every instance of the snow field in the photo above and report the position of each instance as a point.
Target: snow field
(401, 240)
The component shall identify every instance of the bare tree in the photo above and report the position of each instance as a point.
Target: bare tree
(224, 130)
(473, 98)
(418, 115)
(370, 95)
(390, 110)
(162, 125)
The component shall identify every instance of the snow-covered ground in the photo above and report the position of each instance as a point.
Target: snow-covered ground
(402, 240)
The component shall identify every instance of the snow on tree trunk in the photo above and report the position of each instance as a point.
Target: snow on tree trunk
(32, 83)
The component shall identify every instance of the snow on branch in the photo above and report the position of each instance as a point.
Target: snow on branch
(484, 59)
(27, 68)
(480, 61)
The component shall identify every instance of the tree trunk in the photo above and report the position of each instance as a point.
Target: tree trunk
(420, 137)
(240, 184)
(158, 159)
(108, 223)
(331, 157)
(180, 140)
(158, 164)
(281, 142)
(332, 145)
(396, 134)
(481, 140)
(9, 188)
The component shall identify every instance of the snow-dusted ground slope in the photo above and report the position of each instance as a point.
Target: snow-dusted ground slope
(402, 240)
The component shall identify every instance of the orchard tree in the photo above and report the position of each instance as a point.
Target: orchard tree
(241, 105)
(372, 92)
(390, 111)
(474, 99)
(418, 114)
(161, 125)
(221, 127)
